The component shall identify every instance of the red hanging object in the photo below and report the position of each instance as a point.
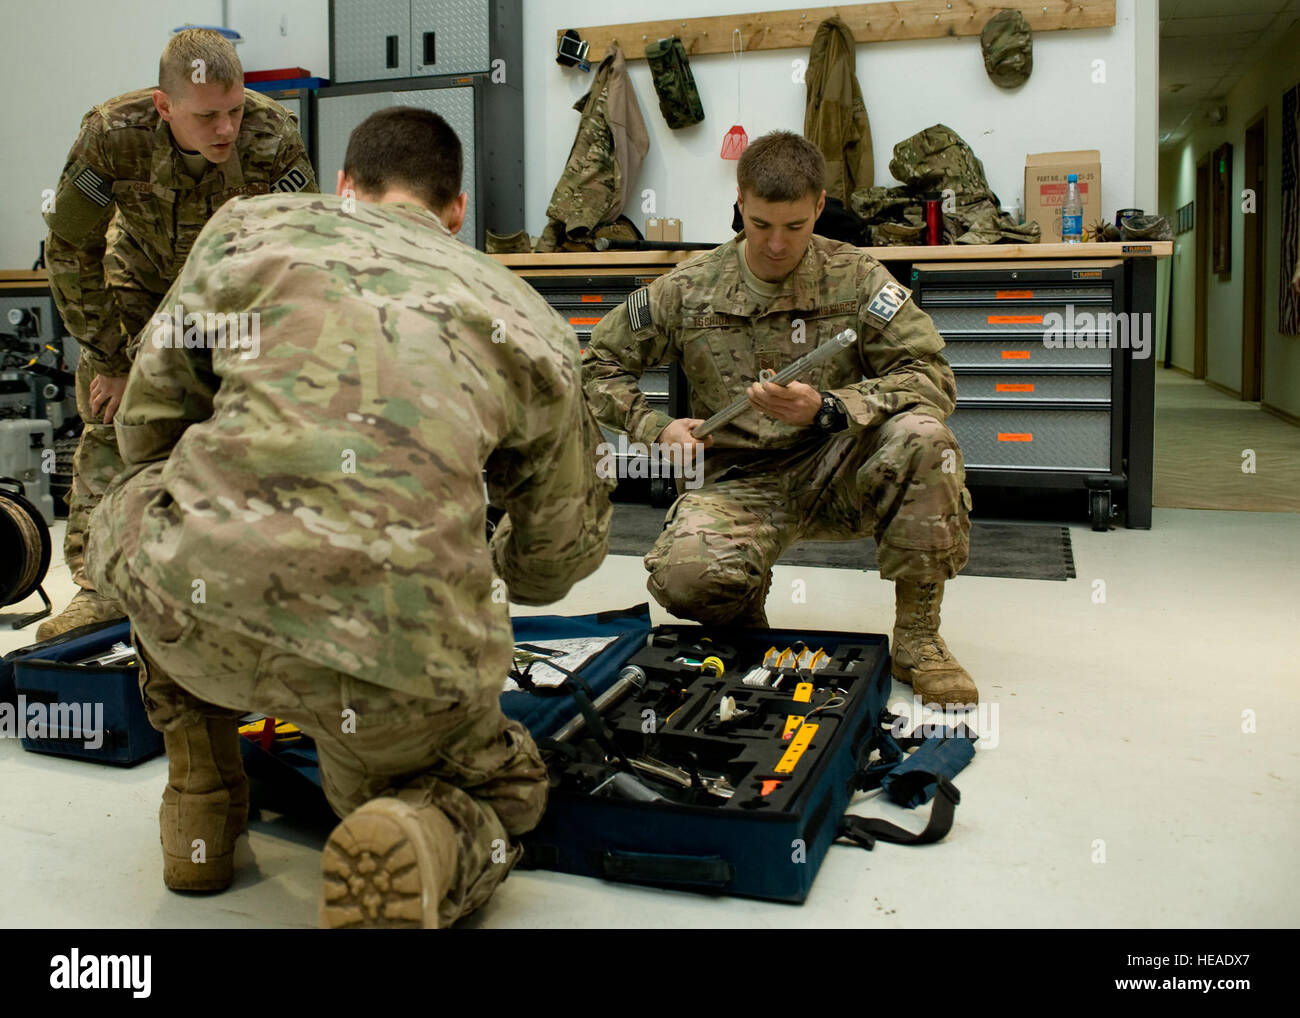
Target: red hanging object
(734, 142)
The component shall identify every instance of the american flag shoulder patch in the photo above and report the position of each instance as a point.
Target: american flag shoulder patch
(638, 309)
(94, 187)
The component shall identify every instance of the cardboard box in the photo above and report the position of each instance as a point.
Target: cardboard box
(672, 230)
(654, 229)
(1045, 182)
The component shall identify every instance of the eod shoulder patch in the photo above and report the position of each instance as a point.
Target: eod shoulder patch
(886, 302)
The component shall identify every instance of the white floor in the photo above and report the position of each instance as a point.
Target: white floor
(1119, 738)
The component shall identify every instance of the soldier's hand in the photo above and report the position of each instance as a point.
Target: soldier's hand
(679, 433)
(796, 403)
(106, 396)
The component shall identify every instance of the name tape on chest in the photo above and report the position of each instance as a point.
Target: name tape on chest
(638, 309)
(886, 302)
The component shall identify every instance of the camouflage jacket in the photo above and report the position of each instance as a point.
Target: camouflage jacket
(124, 160)
(325, 481)
(703, 316)
(835, 117)
(607, 152)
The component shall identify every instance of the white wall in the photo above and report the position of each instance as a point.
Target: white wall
(56, 74)
(63, 57)
(907, 86)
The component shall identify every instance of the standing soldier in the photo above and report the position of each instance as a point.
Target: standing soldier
(303, 532)
(857, 448)
(164, 159)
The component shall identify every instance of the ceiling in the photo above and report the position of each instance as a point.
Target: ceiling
(1205, 48)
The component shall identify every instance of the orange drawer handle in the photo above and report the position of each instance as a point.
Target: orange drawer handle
(584, 321)
(1015, 355)
(1014, 294)
(1015, 319)
(592, 298)
(1008, 437)
(1008, 387)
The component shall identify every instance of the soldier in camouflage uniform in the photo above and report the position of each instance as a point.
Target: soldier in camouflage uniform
(145, 173)
(302, 531)
(857, 448)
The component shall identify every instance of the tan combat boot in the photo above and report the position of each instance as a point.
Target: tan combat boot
(921, 658)
(85, 608)
(205, 806)
(388, 864)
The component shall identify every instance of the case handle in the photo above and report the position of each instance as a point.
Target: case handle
(702, 871)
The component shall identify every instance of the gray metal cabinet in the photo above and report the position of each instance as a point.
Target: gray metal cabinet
(1040, 372)
(374, 40)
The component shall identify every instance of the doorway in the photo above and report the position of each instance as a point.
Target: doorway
(1252, 292)
(1201, 238)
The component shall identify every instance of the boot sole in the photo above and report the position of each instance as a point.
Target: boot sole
(374, 877)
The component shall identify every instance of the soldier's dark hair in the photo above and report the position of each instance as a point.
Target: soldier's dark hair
(781, 166)
(409, 148)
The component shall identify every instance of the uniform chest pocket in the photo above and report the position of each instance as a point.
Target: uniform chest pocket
(845, 366)
(141, 211)
(718, 367)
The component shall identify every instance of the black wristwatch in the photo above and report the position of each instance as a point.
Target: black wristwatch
(832, 417)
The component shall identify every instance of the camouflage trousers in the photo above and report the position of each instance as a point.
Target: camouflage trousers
(465, 757)
(96, 463)
(903, 483)
(137, 289)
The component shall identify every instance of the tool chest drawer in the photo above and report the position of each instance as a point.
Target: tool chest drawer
(1039, 321)
(1033, 438)
(1015, 354)
(1016, 388)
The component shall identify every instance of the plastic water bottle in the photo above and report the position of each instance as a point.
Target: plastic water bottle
(1072, 212)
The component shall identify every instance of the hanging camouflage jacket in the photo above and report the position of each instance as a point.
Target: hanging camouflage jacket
(835, 118)
(606, 155)
(934, 161)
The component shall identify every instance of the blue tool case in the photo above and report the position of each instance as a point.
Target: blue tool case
(668, 768)
(91, 711)
(684, 774)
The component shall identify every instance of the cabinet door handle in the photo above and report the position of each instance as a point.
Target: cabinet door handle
(391, 43)
(430, 48)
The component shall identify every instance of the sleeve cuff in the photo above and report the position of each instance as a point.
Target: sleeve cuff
(651, 426)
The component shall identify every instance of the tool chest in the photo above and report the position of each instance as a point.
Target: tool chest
(1036, 408)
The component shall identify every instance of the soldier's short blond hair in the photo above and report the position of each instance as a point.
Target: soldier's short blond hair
(781, 166)
(220, 61)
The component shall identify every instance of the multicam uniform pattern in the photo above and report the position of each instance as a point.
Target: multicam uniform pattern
(896, 472)
(125, 215)
(329, 494)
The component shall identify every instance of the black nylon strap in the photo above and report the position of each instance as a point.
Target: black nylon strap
(865, 831)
